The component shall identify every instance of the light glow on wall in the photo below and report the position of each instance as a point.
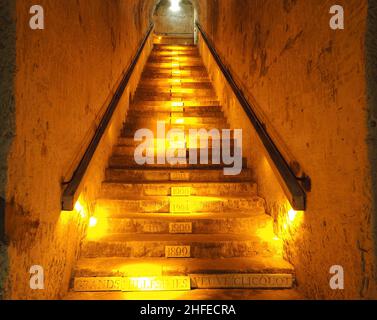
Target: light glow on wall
(292, 215)
(80, 209)
(93, 222)
(175, 5)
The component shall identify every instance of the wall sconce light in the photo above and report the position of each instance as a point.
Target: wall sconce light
(175, 5)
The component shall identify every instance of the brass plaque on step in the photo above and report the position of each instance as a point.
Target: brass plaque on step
(242, 281)
(177, 251)
(181, 191)
(97, 284)
(179, 176)
(180, 227)
(180, 205)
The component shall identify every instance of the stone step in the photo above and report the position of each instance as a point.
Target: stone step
(130, 142)
(181, 83)
(172, 107)
(147, 267)
(152, 74)
(171, 96)
(189, 82)
(129, 152)
(188, 54)
(167, 204)
(192, 104)
(214, 246)
(172, 50)
(129, 131)
(174, 63)
(166, 113)
(113, 190)
(168, 76)
(161, 90)
(179, 123)
(205, 223)
(128, 161)
(182, 65)
(165, 175)
(173, 119)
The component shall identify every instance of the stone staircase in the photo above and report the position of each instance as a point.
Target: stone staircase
(178, 222)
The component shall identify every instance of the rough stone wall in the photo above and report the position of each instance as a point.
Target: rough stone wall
(65, 76)
(308, 85)
(7, 127)
(168, 22)
(371, 54)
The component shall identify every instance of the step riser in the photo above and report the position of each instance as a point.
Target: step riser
(121, 191)
(176, 89)
(118, 207)
(129, 151)
(168, 113)
(179, 267)
(172, 96)
(130, 132)
(210, 122)
(156, 105)
(131, 128)
(151, 249)
(121, 175)
(129, 162)
(200, 226)
(162, 66)
(131, 143)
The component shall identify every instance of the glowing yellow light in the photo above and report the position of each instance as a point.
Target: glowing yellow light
(93, 222)
(175, 65)
(80, 209)
(177, 104)
(175, 5)
(179, 121)
(275, 238)
(176, 72)
(292, 215)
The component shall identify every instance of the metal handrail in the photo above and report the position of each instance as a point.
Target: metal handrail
(292, 185)
(72, 186)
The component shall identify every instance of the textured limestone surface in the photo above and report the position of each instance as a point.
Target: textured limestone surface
(307, 83)
(168, 22)
(7, 125)
(66, 75)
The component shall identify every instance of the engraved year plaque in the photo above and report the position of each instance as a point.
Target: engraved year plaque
(177, 252)
(180, 227)
(181, 191)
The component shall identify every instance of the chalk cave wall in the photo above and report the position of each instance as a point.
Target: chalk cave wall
(308, 84)
(168, 22)
(65, 75)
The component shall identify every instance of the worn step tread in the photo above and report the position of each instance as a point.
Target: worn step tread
(174, 238)
(103, 267)
(194, 216)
